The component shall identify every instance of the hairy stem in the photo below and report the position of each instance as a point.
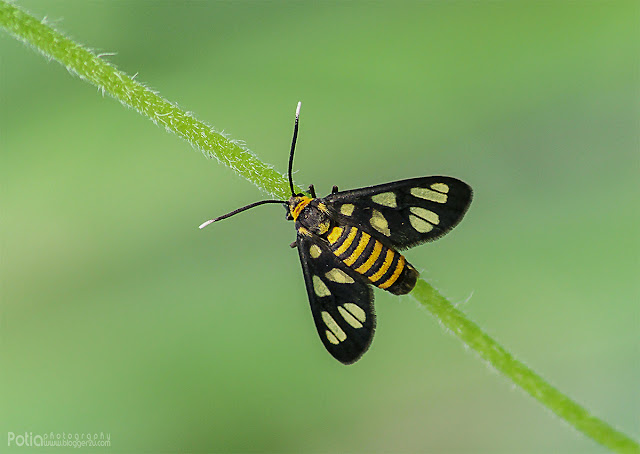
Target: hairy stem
(131, 93)
(212, 144)
(499, 358)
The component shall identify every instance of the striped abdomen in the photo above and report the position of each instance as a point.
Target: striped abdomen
(384, 267)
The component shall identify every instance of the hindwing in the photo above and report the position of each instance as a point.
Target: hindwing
(341, 300)
(404, 213)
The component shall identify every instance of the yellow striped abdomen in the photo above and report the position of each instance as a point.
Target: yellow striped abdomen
(384, 267)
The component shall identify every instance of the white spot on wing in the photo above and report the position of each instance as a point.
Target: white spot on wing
(379, 223)
(333, 327)
(387, 199)
(356, 310)
(420, 224)
(320, 287)
(427, 215)
(430, 195)
(347, 209)
(339, 276)
(349, 318)
(333, 339)
(440, 187)
(315, 251)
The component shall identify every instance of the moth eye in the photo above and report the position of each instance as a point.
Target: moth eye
(387, 199)
(320, 287)
(379, 223)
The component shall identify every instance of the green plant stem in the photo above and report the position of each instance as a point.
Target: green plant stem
(132, 93)
(496, 355)
(213, 144)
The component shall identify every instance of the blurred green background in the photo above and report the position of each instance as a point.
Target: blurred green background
(120, 316)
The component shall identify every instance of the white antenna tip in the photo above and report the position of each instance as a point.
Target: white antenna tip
(204, 224)
(298, 109)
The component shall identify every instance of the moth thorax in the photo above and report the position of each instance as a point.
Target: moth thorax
(314, 219)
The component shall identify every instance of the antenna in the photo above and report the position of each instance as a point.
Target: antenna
(293, 147)
(262, 202)
(239, 210)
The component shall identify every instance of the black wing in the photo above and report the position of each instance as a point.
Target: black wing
(341, 301)
(404, 213)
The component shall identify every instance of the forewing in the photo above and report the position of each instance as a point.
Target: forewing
(404, 213)
(341, 301)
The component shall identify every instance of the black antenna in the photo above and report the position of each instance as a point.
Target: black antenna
(293, 147)
(262, 202)
(239, 210)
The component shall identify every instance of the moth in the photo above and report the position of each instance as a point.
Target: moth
(349, 241)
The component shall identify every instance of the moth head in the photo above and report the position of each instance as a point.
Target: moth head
(295, 205)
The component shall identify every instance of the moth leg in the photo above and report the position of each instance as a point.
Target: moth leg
(293, 245)
(312, 191)
(334, 190)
